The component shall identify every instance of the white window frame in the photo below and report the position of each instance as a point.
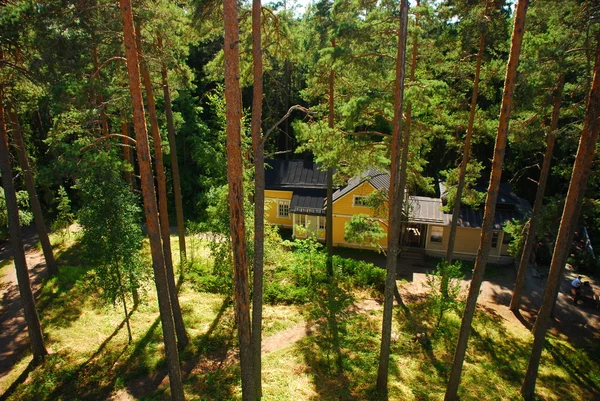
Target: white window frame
(300, 220)
(322, 222)
(280, 204)
(436, 234)
(495, 239)
(356, 198)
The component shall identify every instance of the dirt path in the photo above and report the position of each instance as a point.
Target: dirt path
(579, 324)
(294, 334)
(13, 330)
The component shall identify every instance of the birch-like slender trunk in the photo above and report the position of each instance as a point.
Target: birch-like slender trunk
(34, 329)
(34, 202)
(233, 112)
(259, 195)
(150, 207)
(174, 167)
(163, 214)
(568, 223)
(395, 199)
(466, 154)
(490, 202)
(539, 198)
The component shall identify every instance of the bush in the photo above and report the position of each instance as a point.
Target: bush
(444, 288)
(361, 274)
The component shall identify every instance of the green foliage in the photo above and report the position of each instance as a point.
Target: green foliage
(444, 289)
(111, 221)
(517, 229)
(363, 229)
(470, 197)
(25, 216)
(64, 217)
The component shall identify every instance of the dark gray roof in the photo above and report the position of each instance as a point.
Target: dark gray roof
(308, 202)
(427, 210)
(473, 218)
(291, 174)
(380, 180)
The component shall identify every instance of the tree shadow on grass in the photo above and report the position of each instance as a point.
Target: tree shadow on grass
(60, 377)
(210, 369)
(579, 365)
(342, 352)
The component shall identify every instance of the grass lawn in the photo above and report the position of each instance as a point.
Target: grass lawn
(92, 360)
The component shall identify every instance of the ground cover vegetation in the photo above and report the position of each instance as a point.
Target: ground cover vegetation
(471, 92)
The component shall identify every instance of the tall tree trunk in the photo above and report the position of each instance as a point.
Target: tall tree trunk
(174, 166)
(36, 208)
(395, 200)
(568, 223)
(466, 154)
(34, 329)
(539, 197)
(129, 336)
(408, 117)
(233, 111)
(149, 197)
(259, 195)
(490, 203)
(98, 96)
(126, 150)
(163, 214)
(329, 211)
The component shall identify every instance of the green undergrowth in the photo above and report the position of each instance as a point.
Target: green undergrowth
(292, 269)
(336, 360)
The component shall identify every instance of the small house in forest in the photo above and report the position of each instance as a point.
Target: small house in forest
(295, 198)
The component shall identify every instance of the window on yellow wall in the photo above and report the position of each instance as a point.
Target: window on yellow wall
(283, 209)
(437, 233)
(300, 220)
(495, 239)
(322, 221)
(359, 200)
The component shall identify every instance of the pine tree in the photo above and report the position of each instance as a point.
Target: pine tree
(568, 224)
(490, 203)
(395, 199)
(149, 198)
(236, 196)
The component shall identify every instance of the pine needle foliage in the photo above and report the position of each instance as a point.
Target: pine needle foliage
(111, 221)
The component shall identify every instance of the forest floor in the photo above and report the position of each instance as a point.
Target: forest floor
(291, 345)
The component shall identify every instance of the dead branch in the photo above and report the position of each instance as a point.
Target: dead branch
(108, 137)
(289, 112)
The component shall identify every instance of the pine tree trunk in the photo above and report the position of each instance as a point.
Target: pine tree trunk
(34, 329)
(34, 202)
(149, 197)
(490, 203)
(259, 195)
(163, 214)
(118, 271)
(329, 210)
(174, 167)
(539, 197)
(126, 150)
(395, 200)
(466, 154)
(233, 113)
(568, 223)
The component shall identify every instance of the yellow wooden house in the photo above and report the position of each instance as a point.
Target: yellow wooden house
(295, 198)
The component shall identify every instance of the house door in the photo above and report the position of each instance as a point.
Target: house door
(415, 235)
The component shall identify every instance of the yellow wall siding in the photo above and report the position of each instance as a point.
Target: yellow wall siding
(311, 227)
(344, 205)
(437, 246)
(339, 226)
(271, 198)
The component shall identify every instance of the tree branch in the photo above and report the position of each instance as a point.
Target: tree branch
(289, 112)
(108, 137)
